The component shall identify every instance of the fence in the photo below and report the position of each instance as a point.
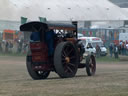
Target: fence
(108, 35)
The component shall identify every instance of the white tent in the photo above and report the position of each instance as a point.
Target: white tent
(61, 10)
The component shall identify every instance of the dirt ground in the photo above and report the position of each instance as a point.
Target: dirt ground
(111, 79)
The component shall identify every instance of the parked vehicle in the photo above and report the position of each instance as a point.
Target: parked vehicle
(93, 41)
(57, 49)
(123, 37)
(80, 35)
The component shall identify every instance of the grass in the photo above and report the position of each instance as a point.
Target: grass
(107, 59)
(103, 58)
(12, 54)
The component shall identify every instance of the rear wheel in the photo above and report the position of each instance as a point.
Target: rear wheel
(66, 60)
(36, 75)
(90, 65)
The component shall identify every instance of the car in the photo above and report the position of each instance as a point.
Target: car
(80, 35)
(93, 41)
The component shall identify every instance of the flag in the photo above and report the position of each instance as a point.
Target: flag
(90, 33)
(23, 20)
(43, 19)
(94, 33)
(84, 32)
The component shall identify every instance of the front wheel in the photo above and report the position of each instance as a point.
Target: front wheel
(90, 65)
(66, 59)
(36, 75)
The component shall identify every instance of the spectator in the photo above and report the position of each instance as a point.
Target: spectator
(0, 46)
(111, 49)
(119, 49)
(126, 48)
(6, 46)
(116, 51)
(25, 45)
(20, 45)
(123, 48)
(98, 50)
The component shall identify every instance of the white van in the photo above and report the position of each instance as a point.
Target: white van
(90, 44)
(123, 37)
(80, 35)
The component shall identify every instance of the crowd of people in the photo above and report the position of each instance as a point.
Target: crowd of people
(118, 49)
(15, 46)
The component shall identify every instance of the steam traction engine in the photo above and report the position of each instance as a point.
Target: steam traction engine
(56, 49)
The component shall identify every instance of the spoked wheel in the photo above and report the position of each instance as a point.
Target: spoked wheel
(36, 75)
(66, 60)
(90, 65)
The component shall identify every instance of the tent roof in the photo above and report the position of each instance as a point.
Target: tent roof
(61, 10)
